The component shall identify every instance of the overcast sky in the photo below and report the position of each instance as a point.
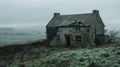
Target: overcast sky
(39, 12)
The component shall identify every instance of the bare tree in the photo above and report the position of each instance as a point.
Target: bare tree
(112, 35)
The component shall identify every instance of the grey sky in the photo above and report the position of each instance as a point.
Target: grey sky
(39, 12)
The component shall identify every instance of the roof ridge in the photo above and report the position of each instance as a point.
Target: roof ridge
(74, 14)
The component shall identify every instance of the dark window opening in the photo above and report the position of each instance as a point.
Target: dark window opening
(77, 28)
(78, 39)
(79, 22)
(88, 30)
(99, 21)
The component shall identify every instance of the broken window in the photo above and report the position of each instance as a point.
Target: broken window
(77, 28)
(78, 39)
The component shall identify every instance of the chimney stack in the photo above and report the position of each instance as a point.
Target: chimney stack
(95, 11)
(56, 14)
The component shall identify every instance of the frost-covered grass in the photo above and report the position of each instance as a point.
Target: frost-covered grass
(65, 57)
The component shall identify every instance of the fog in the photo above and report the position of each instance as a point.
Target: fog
(37, 13)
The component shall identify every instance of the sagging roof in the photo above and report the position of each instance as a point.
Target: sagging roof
(65, 20)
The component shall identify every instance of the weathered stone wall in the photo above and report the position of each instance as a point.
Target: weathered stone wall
(51, 33)
(87, 40)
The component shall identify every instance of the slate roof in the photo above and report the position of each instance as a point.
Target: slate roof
(65, 20)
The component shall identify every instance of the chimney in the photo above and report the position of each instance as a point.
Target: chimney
(95, 11)
(56, 14)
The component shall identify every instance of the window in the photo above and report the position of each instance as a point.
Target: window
(99, 21)
(88, 30)
(78, 39)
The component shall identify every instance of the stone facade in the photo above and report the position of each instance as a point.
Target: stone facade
(75, 30)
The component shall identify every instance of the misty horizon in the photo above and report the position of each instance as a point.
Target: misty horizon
(28, 13)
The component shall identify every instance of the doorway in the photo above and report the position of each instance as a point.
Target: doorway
(67, 37)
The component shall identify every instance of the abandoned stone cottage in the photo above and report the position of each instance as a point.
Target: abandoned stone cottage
(76, 29)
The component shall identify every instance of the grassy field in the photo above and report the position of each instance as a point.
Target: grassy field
(41, 56)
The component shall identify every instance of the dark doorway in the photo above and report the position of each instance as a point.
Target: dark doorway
(67, 37)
